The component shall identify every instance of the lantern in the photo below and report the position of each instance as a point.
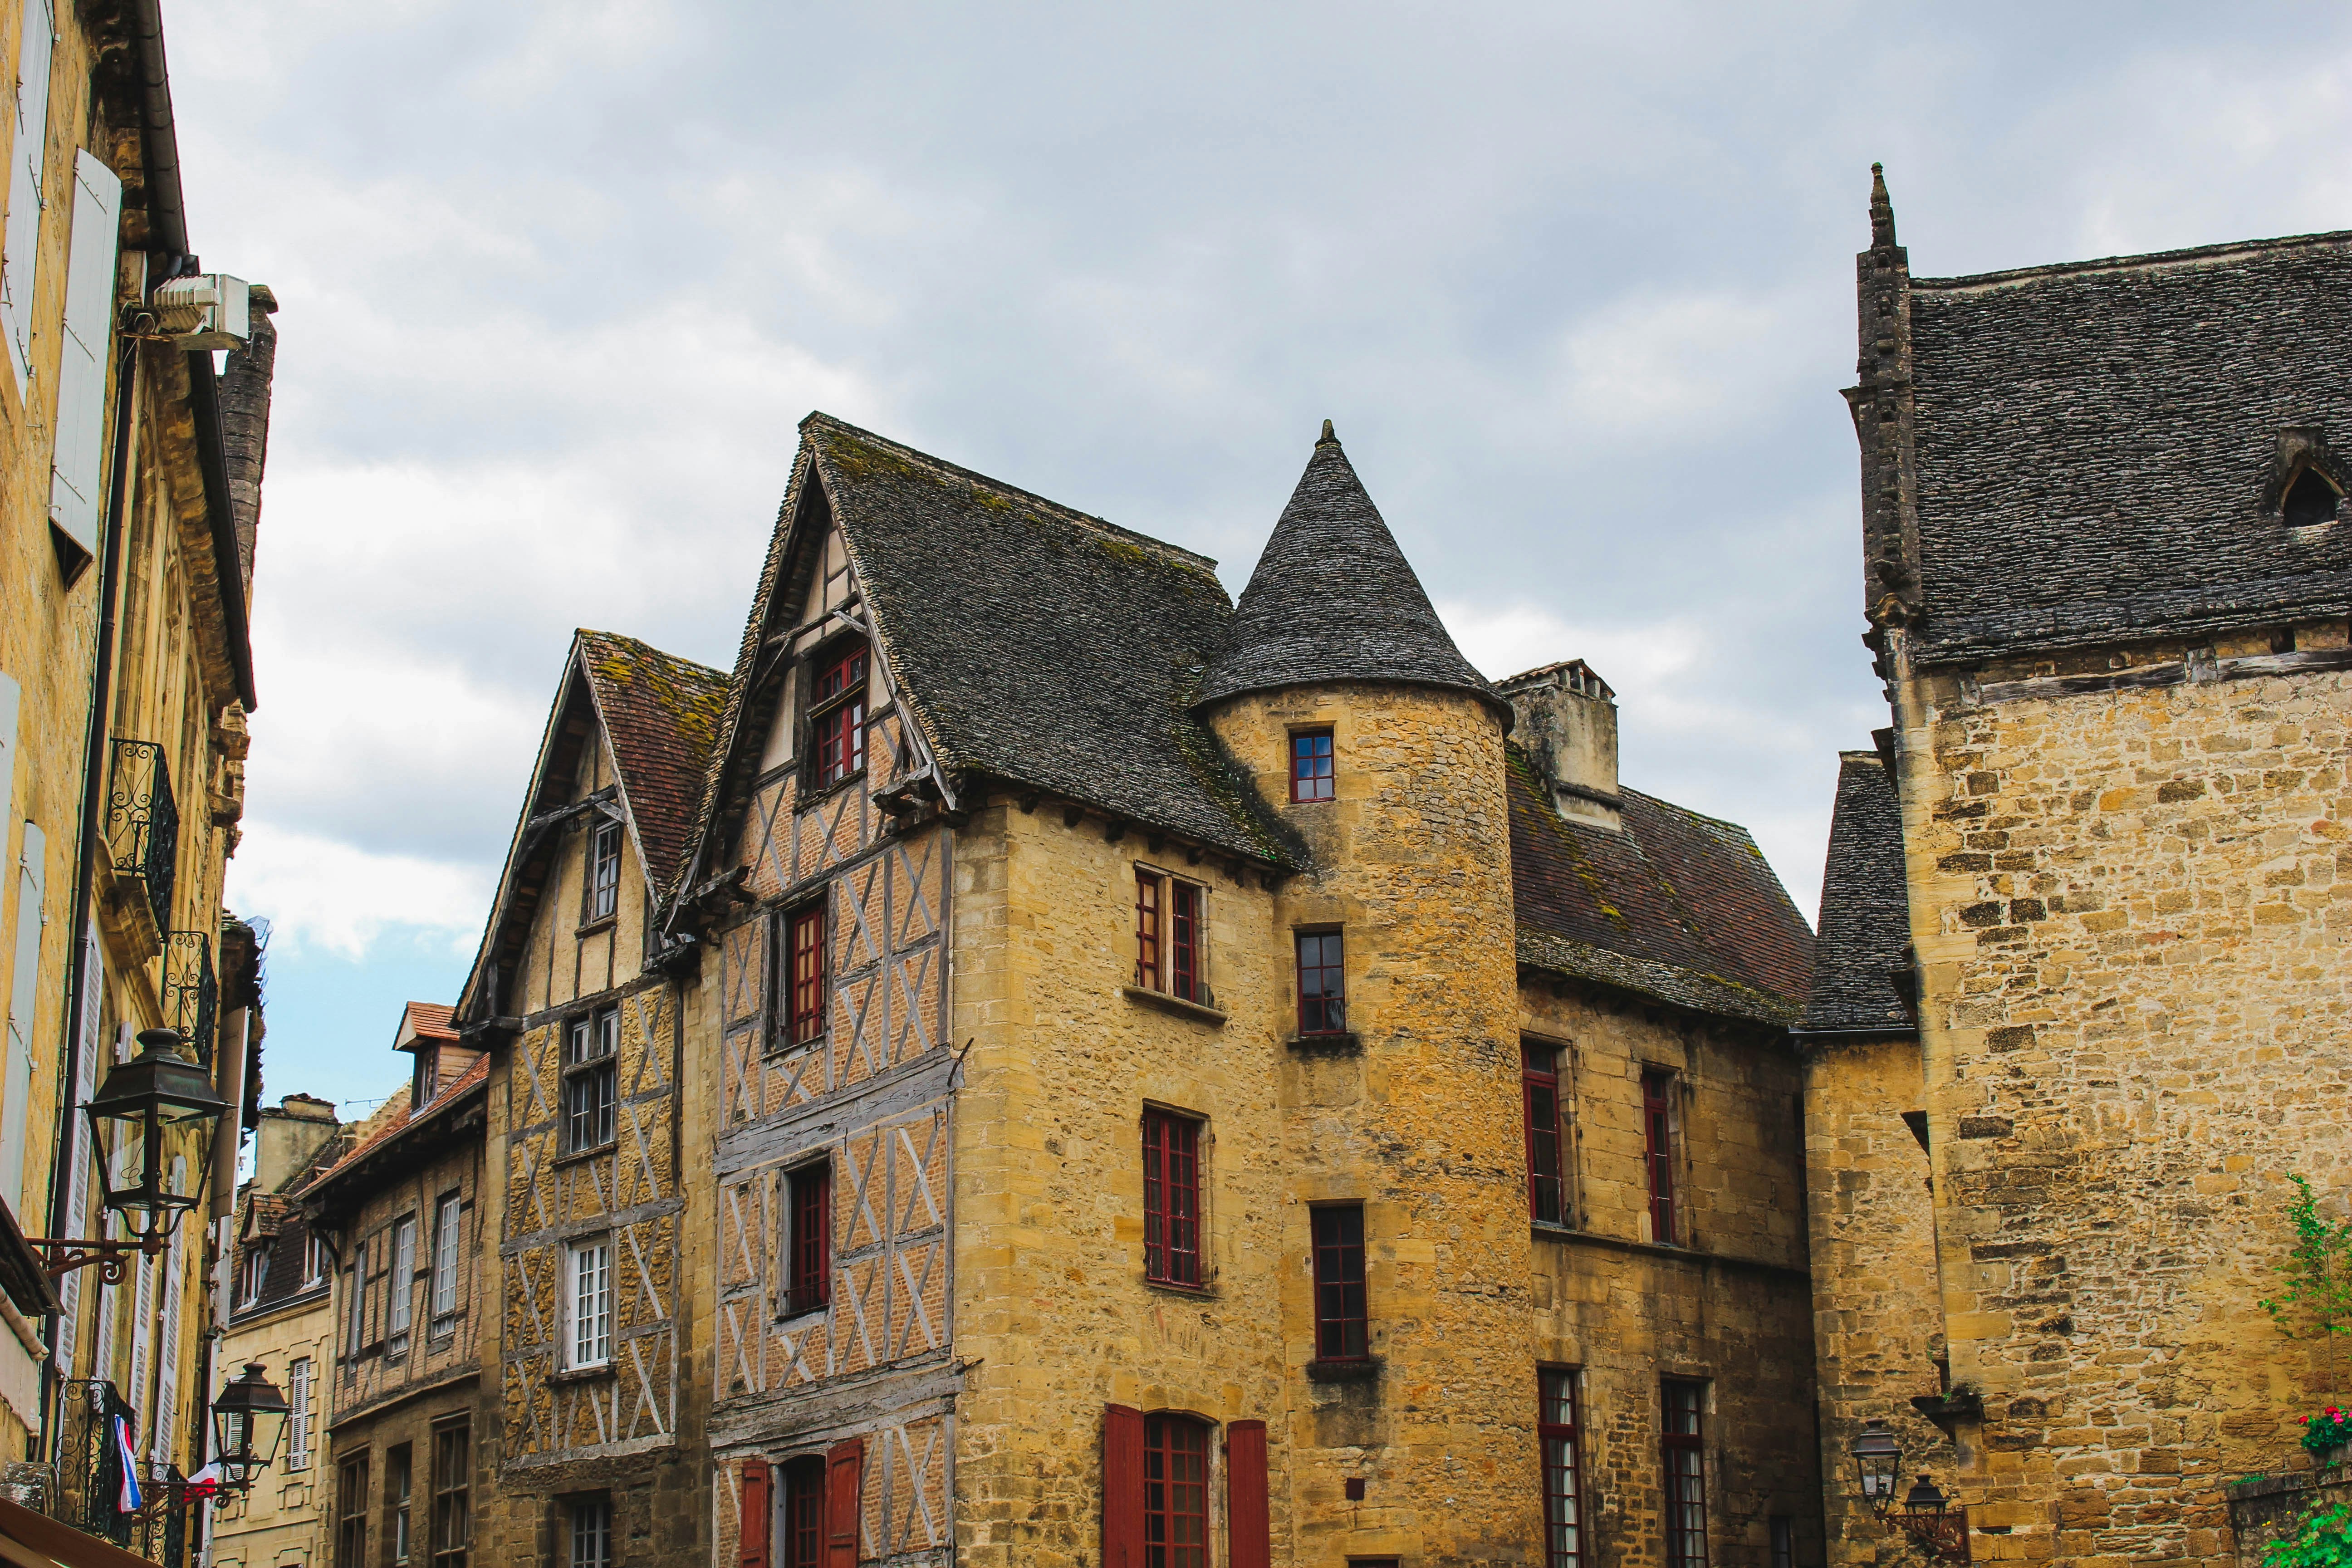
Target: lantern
(1877, 1464)
(249, 1423)
(153, 1093)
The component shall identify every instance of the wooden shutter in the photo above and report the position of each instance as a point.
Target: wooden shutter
(24, 1006)
(843, 1512)
(1249, 1537)
(753, 1529)
(28, 160)
(1122, 1472)
(77, 461)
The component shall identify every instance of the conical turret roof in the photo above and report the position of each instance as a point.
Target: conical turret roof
(1334, 599)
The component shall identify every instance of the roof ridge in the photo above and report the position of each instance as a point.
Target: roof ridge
(1963, 282)
(658, 652)
(1692, 812)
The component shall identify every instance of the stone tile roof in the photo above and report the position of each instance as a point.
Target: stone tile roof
(1333, 598)
(1673, 905)
(1866, 932)
(1031, 643)
(2097, 445)
(661, 715)
(429, 1020)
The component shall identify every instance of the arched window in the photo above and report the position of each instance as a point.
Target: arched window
(2310, 500)
(1175, 1492)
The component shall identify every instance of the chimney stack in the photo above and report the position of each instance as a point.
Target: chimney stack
(291, 1132)
(1566, 719)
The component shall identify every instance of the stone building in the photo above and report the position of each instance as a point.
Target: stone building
(2107, 593)
(280, 1314)
(1094, 1069)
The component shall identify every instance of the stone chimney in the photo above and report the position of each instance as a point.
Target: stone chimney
(1566, 720)
(244, 425)
(291, 1132)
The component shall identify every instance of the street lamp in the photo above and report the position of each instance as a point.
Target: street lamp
(155, 1092)
(1877, 1464)
(1927, 1516)
(238, 1423)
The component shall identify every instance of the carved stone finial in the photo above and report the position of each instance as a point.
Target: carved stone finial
(1882, 210)
(1328, 438)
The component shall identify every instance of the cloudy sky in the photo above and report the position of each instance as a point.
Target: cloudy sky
(1574, 280)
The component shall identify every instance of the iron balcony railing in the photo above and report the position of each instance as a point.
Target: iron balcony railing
(88, 1491)
(143, 823)
(191, 996)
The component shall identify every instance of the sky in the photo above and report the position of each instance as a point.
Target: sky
(1574, 282)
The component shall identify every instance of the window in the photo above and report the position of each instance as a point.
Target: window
(591, 1532)
(1310, 765)
(588, 1302)
(2311, 500)
(355, 1308)
(298, 1415)
(350, 1514)
(1341, 1330)
(1168, 935)
(1171, 1198)
(1784, 1540)
(1658, 1131)
(589, 1077)
(804, 967)
(1539, 1094)
(453, 1523)
(314, 1261)
(1175, 1492)
(1322, 983)
(1685, 1462)
(808, 1284)
(403, 1273)
(603, 871)
(445, 1264)
(396, 1499)
(805, 1514)
(257, 1270)
(837, 716)
(1556, 1429)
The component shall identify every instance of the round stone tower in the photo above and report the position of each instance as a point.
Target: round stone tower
(1378, 748)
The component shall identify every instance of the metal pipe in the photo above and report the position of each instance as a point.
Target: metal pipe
(229, 1136)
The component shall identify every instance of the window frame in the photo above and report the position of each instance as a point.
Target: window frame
(350, 1512)
(805, 1000)
(448, 1238)
(801, 1486)
(1658, 1153)
(1780, 1540)
(401, 1310)
(808, 1239)
(1171, 935)
(1683, 1467)
(1329, 1015)
(301, 1376)
(452, 1520)
(400, 1466)
(1320, 784)
(843, 708)
(1330, 1254)
(585, 1314)
(1175, 1261)
(595, 1510)
(256, 1272)
(1169, 1439)
(600, 889)
(1538, 1078)
(588, 1086)
(1564, 1383)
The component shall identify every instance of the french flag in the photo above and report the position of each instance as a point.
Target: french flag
(129, 1502)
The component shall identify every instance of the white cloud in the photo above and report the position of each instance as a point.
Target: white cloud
(320, 892)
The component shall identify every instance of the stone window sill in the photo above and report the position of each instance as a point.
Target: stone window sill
(1349, 1044)
(602, 1373)
(576, 1155)
(1188, 1292)
(1176, 1005)
(1361, 1369)
(602, 922)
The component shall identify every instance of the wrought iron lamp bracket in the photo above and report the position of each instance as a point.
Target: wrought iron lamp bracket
(62, 1254)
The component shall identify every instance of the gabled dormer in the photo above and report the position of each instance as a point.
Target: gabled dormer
(439, 1058)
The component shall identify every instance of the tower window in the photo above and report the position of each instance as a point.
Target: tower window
(1168, 935)
(2310, 500)
(1310, 765)
(1658, 1153)
(1322, 983)
(1540, 1097)
(1556, 1427)
(1342, 1319)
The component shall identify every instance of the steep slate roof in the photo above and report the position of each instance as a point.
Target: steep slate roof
(1032, 642)
(661, 713)
(2096, 443)
(1333, 598)
(1676, 906)
(396, 1119)
(1866, 917)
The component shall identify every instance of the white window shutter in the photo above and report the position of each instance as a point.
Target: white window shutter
(77, 1156)
(11, 694)
(167, 1344)
(28, 155)
(24, 1004)
(79, 465)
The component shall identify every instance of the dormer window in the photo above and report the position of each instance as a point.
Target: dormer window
(2310, 500)
(314, 1261)
(837, 715)
(257, 1270)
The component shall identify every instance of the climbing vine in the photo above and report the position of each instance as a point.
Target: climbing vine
(2317, 1272)
(2324, 1541)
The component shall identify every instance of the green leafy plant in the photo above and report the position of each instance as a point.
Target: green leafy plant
(2323, 1541)
(2331, 1429)
(2318, 1272)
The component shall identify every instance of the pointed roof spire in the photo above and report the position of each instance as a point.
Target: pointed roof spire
(1334, 599)
(1882, 210)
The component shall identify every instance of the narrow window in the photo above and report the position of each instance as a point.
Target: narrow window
(453, 1522)
(1556, 1429)
(1322, 983)
(804, 963)
(1310, 765)
(396, 1499)
(1342, 1331)
(591, 1532)
(404, 1274)
(355, 1310)
(809, 1269)
(603, 871)
(1540, 1096)
(1658, 1132)
(588, 1302)
(1171, 1198)
(2310, 500)
(444, 1265)
(256, 1271)
(588, 1079)
(1685, 1463)
(1784, 1541)
(298, 1415)
(350, 1514)
(1184, 941)
(1149, 888)
(837, 716)
(1175, 1492)
(805, 1514)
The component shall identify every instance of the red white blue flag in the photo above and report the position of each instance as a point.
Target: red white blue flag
(129, 1502)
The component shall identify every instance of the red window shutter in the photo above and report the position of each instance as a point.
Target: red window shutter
(1122, 1467)
(754, 1530)
(1249, 1534)
(843, 1513)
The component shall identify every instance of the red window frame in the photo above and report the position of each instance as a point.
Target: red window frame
(1556, 1430)
(809, 1277)
(1171, 1199)
(1150, 894)
(837, 717)
(1684, 1442)
(1322, 983)
(1312, 775)
(1546, 1142)
(1658, 1136)
(1175, 1492)
(805, 1513)
(804, 968)
(1342, 1316)
(1184, 940)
